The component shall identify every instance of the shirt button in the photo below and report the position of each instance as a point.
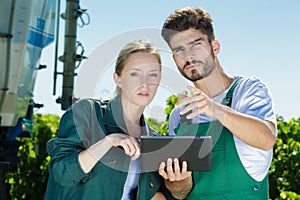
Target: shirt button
(151, 184)
(255, 188)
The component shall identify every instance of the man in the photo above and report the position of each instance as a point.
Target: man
(237, 112)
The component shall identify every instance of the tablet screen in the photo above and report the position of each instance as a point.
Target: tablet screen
(196, 150)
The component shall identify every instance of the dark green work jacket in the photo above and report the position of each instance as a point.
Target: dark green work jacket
(227, 179)
(84, 124)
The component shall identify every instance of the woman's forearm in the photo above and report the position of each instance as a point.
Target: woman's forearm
(89, 157)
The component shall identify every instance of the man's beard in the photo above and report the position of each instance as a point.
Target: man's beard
(195, 75)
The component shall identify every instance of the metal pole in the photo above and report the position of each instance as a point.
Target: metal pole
(56, 47)
(71, 16)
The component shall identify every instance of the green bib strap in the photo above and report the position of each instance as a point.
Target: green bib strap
(228, 98)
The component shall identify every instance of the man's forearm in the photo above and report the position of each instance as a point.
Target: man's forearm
(251, 130)
(180, 189)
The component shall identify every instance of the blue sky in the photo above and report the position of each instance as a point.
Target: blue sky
(260, 38)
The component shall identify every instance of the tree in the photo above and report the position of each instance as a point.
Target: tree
(162, 127)
(284, 173)
(29, 181)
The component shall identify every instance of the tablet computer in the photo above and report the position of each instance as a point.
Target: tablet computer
(196, 150)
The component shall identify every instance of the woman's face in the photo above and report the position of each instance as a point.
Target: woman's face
(139, 79)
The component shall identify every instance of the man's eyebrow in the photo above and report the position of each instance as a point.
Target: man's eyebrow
(196, 40)
(189, 43)
(176, 48)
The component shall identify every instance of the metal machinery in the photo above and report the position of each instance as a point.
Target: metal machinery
(26, 28)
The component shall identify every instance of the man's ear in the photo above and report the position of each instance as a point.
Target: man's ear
(117, 80)
(216, 46)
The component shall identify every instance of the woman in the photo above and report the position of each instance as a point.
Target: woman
(96, 153)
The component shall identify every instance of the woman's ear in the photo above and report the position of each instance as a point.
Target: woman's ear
(117, 80)
(216, 46)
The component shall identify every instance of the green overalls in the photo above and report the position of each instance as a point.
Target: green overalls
(227, 179)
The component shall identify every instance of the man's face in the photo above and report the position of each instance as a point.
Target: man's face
(193, 54)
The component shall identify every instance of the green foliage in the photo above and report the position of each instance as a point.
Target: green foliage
(284, 173)
(162, 127)
(171, 101)
(288, 196)
(154, 124)
(30, 180)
